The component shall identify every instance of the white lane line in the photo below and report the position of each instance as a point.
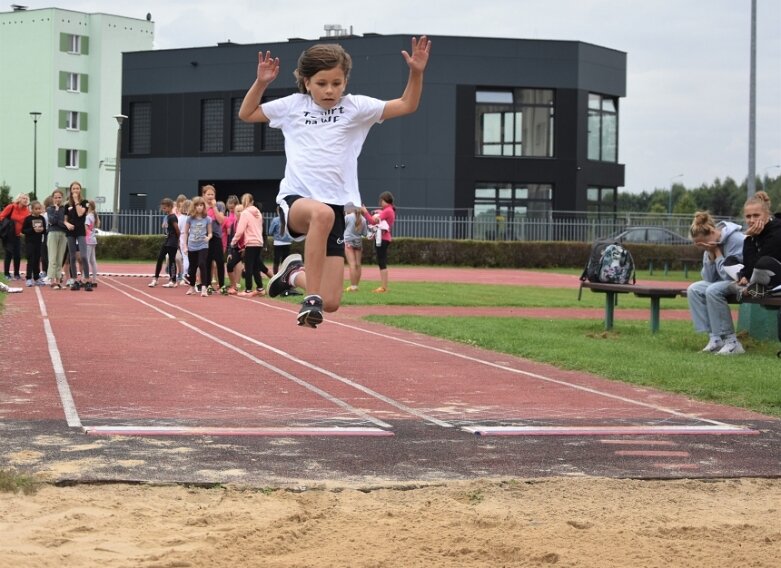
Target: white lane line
(233, 431)
(389, 401)
(330, 398)
(66, 398)
(607, 430)
(537, 376)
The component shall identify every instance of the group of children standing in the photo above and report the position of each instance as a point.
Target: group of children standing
(205, 238)
(56, 233)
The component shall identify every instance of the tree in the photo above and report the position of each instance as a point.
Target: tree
(5, 194)
(686, 204)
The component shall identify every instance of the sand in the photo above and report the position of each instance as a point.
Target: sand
(580, 522)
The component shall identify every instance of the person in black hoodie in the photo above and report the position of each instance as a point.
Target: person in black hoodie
(761, 271)
(34, 229)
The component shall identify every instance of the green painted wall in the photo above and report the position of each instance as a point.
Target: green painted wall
(35, 63)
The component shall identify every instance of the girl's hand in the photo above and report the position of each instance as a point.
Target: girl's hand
(68, 226)
(80, 210)
(756, 227)
(268, 68)
(420, 52)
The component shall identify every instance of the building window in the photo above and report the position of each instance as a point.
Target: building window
(75, 44)
(272, 139)
(212, 121)
(242, 133)
(71, 159)
(601, 202)
(514, 122)
(501, 210)
(140, 123)
(602, 128)
(73, 82)
(72, 120)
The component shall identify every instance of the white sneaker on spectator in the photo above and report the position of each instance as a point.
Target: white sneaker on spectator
(153, 283)
(731, 347)
(715, 344)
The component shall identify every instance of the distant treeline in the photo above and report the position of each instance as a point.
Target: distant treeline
(723, 198)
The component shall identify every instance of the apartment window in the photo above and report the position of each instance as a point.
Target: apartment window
(72, 120)
(71, 158)
(212, 124)
(514, 122)
(75, 44)
(140, 128)
(500, 209)
(74, 82)
(601, 201)
(242, 133)
(602, 128)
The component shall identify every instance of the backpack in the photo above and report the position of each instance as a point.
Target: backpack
(609, 263)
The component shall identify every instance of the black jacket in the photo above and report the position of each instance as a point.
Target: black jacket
(56, 219)
(766, 243)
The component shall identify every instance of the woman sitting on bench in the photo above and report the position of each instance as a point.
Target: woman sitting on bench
(708, 298)
(761, 271)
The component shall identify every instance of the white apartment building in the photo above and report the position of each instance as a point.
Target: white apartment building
(67, 66)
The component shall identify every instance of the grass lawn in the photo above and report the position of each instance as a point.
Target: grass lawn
(670, 360)
(486, 295)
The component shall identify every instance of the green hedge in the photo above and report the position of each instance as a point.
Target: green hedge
(489, 254)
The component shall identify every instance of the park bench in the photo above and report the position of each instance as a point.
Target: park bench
(654, 293)
(686, 263)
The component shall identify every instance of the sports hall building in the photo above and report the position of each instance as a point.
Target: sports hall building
(506, 127)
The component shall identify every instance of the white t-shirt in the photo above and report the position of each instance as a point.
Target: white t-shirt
(322, 146)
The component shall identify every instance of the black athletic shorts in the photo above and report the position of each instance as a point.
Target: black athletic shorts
(335, 243)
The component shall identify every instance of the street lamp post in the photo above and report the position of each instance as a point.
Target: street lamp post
(670, 199)
(115, 218)
(35, 115)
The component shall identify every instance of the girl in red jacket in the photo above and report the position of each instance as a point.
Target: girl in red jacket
(18, 211)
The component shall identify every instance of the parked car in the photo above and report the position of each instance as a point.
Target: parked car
(651, 236)
(103, 233)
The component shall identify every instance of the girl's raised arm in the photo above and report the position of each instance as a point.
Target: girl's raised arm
(268, 69)
(410, 98)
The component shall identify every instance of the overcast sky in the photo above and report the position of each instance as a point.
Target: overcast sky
(686, 109)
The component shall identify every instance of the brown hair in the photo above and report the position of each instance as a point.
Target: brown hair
(321, 57)
(387, 197)
(247, 199)
(197, 200)
(167, 202)
(91, 207)
(703, 225)
(70, 192)
(760, 198)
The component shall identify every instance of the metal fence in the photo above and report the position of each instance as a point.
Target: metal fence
(555, 226)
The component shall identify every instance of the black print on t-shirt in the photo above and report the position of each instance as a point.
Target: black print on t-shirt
(324, 116)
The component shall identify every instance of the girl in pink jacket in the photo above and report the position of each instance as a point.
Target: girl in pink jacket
(250, 229)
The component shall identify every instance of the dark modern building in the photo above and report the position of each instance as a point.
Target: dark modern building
(508, 127)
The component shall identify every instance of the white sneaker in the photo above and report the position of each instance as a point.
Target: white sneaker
(153, 283)
(731, 348)
(714, 345)
(204, 292)
(190, 291)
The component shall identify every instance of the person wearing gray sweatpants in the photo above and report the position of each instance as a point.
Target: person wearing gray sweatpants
(707, 298)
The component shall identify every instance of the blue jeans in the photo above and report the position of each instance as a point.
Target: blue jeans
(709, 308)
